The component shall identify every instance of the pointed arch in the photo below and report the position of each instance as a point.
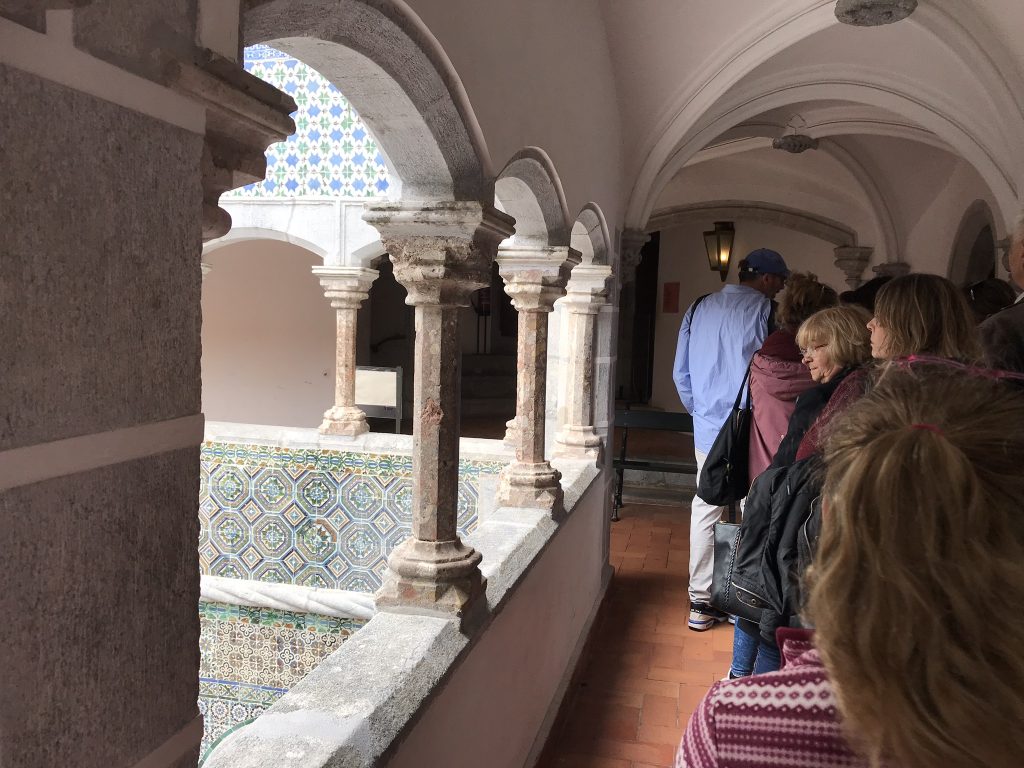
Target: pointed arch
(529, 189)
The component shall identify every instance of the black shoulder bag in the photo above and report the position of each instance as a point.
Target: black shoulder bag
(725, 477)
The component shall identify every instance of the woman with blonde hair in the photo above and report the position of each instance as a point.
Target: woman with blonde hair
(915, 661)
(777, 375)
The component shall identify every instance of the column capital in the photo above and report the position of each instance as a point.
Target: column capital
(631, 243)
(244, 115)
(441, 251)
(853, 260)
(892, 269)
(587, 290)
(535, 276)
(345, 287)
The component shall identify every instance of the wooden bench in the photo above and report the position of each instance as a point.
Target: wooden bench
(626, 420)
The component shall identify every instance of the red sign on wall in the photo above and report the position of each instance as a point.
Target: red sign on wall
(670, 298)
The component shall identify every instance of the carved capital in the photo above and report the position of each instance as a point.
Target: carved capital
(892, 269)
(441, 252)
(244, 115)
(346, 287)
(587, 290)
(535, 277)
(630, 245)
(853, 260)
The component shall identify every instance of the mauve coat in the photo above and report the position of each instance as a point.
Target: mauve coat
(777, 378)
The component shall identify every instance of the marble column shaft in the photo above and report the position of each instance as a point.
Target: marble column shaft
(587, 293)
(441, 253)
(346, 288)
(535, 278)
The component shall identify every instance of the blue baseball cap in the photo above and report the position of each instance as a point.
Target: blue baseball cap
(765, 261)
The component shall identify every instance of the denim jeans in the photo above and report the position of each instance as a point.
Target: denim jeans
(752, 654)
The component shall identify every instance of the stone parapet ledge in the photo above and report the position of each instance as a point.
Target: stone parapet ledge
(363, 698)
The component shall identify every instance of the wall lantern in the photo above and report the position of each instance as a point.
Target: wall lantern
(719, 247)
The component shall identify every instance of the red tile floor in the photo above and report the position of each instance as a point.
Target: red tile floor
(645, 672)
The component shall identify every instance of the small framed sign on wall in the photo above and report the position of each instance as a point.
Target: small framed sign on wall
(670, 298)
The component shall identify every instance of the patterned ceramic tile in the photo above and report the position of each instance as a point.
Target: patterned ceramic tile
(249, 657)
(317, 518)
(331, 152)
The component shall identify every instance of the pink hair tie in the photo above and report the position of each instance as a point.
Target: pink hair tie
(928, 428)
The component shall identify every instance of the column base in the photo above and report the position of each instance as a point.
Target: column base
(535, 486)
(578, 443)
(433, 577)
(344, 421)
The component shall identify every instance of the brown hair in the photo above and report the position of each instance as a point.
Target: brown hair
(926, 315)
(918, 584)
(803, 296)
(844, 329)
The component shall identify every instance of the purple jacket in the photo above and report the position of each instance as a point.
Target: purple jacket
(777, 378)
(775, 720)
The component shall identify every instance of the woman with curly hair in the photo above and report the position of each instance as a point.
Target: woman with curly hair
(915, 661)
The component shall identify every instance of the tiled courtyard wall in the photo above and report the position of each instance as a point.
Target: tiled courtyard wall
(316, 518)
(249, 657)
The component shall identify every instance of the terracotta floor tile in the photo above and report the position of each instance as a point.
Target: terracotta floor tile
(645, 671)
(661, 734)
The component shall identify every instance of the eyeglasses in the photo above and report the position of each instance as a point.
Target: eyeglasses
(808, 351)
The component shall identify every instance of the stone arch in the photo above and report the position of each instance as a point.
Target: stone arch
(787, 24)
(398, 78)
(590, 236)
(966, 264)
(529, 190)
(957, 130)
(248, 234)
(768, 213)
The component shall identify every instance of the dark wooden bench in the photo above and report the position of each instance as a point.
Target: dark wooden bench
(626, 420)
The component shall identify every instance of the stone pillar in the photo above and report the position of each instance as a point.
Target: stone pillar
(853, 260)
(441, 253)
(346, 288)
(632, 242)
(892, 269)
(586, 293)
(535, 278)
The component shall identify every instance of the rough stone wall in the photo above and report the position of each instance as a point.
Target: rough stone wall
(100, 241)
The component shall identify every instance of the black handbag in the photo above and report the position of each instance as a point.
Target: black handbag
(725, 477)
(723, 596)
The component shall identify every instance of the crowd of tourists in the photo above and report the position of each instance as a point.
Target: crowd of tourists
(876, 577)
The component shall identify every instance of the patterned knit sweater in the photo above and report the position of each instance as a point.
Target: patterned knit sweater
(783, 719)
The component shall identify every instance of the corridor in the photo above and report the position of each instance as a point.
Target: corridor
(645, 672)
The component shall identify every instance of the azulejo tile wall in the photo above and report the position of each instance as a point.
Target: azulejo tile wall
(331, 152)
(316, 518)
(250, 657)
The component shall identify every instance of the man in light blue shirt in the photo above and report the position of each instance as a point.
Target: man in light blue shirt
(716, 341)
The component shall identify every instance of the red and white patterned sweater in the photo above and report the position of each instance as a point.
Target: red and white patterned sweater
(781, 719)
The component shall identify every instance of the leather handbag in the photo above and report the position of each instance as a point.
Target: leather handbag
(725, 477)
(723, 596)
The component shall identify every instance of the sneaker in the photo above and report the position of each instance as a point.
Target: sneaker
(704, 617)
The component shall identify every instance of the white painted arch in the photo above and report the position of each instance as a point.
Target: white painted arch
(400, 81)
(782, 25)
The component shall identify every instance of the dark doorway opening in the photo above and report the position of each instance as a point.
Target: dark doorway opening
(646, 304)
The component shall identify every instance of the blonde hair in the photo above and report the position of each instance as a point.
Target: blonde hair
(844, 329)
(803, 296)
(926, 315)
(917, 590)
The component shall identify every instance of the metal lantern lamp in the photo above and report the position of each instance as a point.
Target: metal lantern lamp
(718, 243)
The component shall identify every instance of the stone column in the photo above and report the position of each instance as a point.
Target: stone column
(632, 242)
(346, 288)
(892, 269)
(441, 253)
(586, 293)
(535, 278)
(853, 260)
